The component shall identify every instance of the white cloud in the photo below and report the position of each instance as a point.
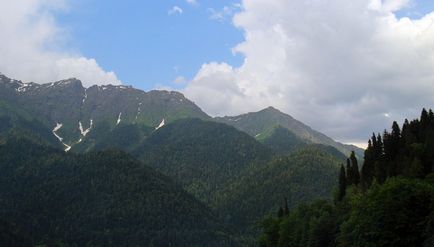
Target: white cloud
(225, 13)
(175, 10)
(31, 45)
(191, 2)
(180, 80)
(337, 65)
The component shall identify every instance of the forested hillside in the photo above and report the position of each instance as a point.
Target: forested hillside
(98, 199)
(261, 124)
(197, 180)
(389, 203)
(203, 156)
(307, 174)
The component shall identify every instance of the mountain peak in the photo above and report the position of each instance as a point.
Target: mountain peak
(69, 82)
(271, 109)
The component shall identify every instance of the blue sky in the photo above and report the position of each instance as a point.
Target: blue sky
(346, 68)
(145, 45)
(417, 9)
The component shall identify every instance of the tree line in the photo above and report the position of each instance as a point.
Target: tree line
(389, 201)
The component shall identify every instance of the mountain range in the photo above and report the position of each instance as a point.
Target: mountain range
(73, 111)
(147, 154)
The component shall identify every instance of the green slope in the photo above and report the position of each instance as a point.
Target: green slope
(203, 156)
(262, 123)
(307, 174)
(281, 140)
(126, 137)
(99, 199)
(17, 122)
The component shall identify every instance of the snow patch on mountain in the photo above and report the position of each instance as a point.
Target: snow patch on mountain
(160, 125)
(58, 127)
(119, 119)
(85, 95)
(23, 87)
(84, 132)
(138, 110)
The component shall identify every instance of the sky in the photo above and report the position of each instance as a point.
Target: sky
(346, 68)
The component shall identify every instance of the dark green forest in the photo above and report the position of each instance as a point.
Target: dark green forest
(258, 179)
(98, 199)
(388, 202)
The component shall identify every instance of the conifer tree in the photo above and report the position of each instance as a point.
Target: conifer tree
(395, 146)
(424, 123)
(280, 213)
(349, 173)
(367, 172)
(380, 167)
(342, 184)
(286, 212)
(354, 168)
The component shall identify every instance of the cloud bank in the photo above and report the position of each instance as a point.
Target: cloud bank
(346, 68)
(31, 46)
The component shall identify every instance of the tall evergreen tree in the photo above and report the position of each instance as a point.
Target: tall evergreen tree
(424, 123)
(286, 212)
(380, 166)
(367, 173)
(280, 213)
(354, 168)
(342, 184)
(349, 173)
(395, 146)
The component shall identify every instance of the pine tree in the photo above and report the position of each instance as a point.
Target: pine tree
(349, 173)
(380, 167)
(367, 172)
(395, 146)
(342, 184)
(424, 123)
(354, 168)
(286, 212)
(280, 213)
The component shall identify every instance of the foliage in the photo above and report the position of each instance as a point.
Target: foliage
(408, 153)
(203, 156)
(392, 205)
(394, 214)
(99, 199)
(281, 141)
(305, 175)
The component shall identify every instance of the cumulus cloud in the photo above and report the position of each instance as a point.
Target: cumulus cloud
(346, 68)
(175, 10)
(31, 45)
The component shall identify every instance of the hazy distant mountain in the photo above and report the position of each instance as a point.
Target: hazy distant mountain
(262, 124)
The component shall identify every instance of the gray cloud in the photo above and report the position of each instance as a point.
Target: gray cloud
(346, 68)
(31, 45)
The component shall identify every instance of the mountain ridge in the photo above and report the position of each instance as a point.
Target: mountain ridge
(259, 123)
(72, 111)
